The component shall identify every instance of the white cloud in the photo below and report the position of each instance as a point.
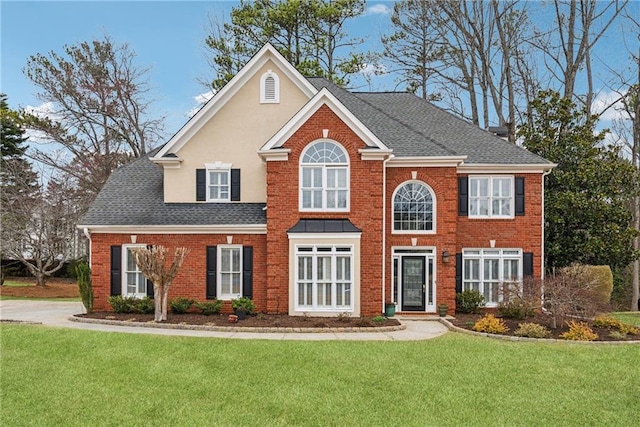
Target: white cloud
(373, 69)
(45, 110)
(609, 104)
(201, 99)
(378, 9)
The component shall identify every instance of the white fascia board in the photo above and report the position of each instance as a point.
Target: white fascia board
(369, 154)
(324, 97)
(205, 114)
(167, 162)
(277, 154)
(324, 236)
(506, 168)
(430, 162)
(176, 229)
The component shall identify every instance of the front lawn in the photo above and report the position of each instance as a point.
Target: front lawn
(68, 377)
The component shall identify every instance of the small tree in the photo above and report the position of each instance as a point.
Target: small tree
(84, 285)
(153, 264)
(573, 291)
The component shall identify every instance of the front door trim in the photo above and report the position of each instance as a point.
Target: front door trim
(411, 252)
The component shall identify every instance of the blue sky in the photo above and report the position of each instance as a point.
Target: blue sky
(168, 37)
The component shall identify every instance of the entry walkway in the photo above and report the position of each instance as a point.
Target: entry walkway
(57, 314)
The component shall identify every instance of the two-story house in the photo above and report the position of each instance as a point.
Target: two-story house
(312, 199)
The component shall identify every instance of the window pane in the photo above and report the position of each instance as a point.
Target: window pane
(142, 284)
(317, 199)
(225, 256)
(236, 259)
(131, 264)
(236, 283)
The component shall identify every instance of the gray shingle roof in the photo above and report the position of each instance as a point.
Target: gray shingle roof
(133, 195)
(413, 127)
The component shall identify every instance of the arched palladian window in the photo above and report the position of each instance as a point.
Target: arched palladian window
(324, 177)
(269, 88)
(413, 208)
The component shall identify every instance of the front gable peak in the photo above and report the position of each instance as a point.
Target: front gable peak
(323, 97)
(202, 117)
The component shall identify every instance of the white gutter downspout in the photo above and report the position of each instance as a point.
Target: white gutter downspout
(85, 230)
(384, 227)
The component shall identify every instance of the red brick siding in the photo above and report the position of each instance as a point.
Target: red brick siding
(365, 211)
(191, 279)
(444, 183)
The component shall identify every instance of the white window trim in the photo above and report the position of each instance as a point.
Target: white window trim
(482, 254)
(218, 167)
(490, 196)
(314, 253)
(219, 293)
(324, 167)
(123, 288)
(433, 208)
(263, 94)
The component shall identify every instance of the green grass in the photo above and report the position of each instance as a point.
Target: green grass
(633, 318)
(13, 283)
(53, 377)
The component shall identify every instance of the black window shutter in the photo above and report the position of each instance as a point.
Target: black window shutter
(463, 196)
(458, 273)
(150, 293)
(116, 270)
(212, 258)
(201, 185)
(519, 195)
(527, 261)
(235, 185)
(247, 271)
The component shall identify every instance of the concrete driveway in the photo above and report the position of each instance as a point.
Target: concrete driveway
(56, 314)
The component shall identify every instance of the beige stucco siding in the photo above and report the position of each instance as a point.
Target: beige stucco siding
(234, 135)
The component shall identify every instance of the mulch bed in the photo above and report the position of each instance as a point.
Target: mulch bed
(257, 321)
(467, 321)
(55, 288)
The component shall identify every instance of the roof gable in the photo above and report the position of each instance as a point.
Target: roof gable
(202, 117)
(323, 97)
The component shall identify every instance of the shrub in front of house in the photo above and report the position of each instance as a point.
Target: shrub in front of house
(579, 331)
(121, 304)
(210, 307)
(516, 303)
(491, 325)
(180, 305)
(244, 302)
(613, 323)
(469, 301)
(532, 330)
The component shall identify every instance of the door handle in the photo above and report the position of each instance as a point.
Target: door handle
(424, 287)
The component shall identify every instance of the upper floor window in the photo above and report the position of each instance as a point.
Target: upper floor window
(491, 196)
(413, 208)
(324, 177)
(218, 182)
(269, 88)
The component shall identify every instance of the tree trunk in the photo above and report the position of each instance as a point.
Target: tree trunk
(41, 279)
(165, 297)
(157, 295)
(635, 272)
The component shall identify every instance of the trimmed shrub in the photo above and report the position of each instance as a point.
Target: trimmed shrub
(246, 303)
(603, 277)
(210, 307)
(378, 319)
(491, 325)
(180, 305)
(613, 323)
(579, 331)
(144, 305)
(83, 273)
(469, 301)
(121, 304)
(531, 330)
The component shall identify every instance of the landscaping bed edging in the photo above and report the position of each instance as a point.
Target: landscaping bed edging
(455, 328)
(235, 328)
